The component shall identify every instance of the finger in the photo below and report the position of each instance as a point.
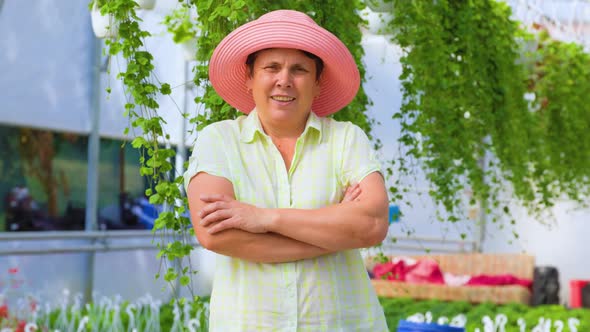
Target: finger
(215, 198)
(221, 226)
(352, 194)
(355, 194)
(217, 216)
(351, 187)
(347, 198)
(212, 207)
(346, 195)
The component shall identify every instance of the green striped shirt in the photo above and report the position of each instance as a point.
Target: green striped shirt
(327, 293)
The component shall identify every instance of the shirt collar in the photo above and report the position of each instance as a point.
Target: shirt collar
(252, 125)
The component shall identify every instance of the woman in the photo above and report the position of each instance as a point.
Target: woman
(268, 192)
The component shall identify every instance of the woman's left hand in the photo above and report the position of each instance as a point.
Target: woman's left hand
(222, 212)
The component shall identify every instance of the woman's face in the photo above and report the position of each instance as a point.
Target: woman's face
(283, 84)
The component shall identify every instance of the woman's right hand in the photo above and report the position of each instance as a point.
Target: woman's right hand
(352, 193)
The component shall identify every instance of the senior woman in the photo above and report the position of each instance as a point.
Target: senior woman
(284, 194)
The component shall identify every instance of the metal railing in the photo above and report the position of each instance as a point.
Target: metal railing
(427, 245)
(102, 241)
(27, 243)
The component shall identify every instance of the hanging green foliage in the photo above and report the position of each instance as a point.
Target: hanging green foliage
(142, 90)
(465, 118)
(559, 85)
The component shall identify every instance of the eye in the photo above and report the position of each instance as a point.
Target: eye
(271, 67)
(300, 69)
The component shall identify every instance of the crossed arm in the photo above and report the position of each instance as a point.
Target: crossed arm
(236, 229)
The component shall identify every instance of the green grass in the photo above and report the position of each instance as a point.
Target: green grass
(397, 309)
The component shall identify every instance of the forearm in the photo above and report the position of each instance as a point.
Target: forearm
(351, 224)
(336, 227)
(255, 247)
(356, 224)
(261, 247)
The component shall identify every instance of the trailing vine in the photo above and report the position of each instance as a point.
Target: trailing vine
(559, 86)
(142, 110)
(467, 117)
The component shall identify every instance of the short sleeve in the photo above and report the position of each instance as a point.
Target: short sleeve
(358, 158)
(208, 156)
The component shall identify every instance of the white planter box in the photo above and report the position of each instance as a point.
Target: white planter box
(380, 6)
(189, 49)
(146, 4)
(103, 26)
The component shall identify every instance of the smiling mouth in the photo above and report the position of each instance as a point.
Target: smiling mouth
(282, 98)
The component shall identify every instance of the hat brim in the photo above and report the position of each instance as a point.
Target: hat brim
(340, 78)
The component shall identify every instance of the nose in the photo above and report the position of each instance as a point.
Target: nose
(284, 79)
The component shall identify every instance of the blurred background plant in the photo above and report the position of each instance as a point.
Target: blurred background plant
(490, 106)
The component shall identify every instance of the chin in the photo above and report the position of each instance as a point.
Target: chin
(287, 113)
(281, 114)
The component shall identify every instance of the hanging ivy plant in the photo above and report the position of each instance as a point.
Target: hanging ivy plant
(142, 109)
(461, 100)
(559, 85)
(465, 117)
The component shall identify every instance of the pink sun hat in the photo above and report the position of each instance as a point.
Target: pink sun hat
(340, 78)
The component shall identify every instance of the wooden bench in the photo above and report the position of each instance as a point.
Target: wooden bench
(519, 265)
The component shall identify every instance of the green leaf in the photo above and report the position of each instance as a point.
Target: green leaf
(170, 275)
(155, 199)
(139, 142)
(185, 280)
(165, 89)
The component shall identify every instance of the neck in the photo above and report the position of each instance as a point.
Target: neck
(283, 129)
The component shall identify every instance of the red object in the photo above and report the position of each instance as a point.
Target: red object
(576, 292)
(428, 271)
(21, 326)
(498, 280)
(420, 272)
(4, 311)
